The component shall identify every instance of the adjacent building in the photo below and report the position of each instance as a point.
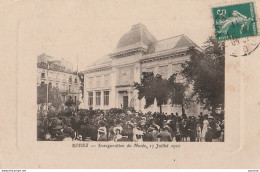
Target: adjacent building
(59, 74)
(109, 81)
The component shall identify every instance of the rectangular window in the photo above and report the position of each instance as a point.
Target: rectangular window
(90, 98)
(43, 75)
(98, 98)
(106, 97)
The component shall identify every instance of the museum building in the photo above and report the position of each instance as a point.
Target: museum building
(109, 82)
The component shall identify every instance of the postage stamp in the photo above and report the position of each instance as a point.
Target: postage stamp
(235, 21)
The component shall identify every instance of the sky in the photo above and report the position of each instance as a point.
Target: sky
(91, 29)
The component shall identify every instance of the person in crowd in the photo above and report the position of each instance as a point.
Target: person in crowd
(137, 134)
(198, 130)
(204, 128)
(165, 135)
(117, 125)
(222, 125)
(101, 125)
(118, 135)
(102, 134)
(211, 132)
(192, 127)
(148, 137)
(178, 129)
(184, 130)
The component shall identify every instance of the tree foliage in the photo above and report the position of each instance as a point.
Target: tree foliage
(70, 102)
(206, 72)
(151, 87)
(177, 92)
(81, 78)
(53, 97)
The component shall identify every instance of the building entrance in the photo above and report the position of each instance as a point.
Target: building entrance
(125, 102)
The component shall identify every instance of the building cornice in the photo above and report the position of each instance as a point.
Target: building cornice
(56, 70)
(158, 56)
(98, 69)
(127, 53)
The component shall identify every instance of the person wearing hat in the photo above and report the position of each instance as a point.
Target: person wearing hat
(102, 135)
(148, 137)
(211, 133)
(138, 135)
(117, 131)
(165, 135)
(128, 130)
(102, 124)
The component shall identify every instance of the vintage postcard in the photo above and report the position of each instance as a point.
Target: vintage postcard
(130, 84)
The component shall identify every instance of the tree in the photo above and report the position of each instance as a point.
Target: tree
(42, 93)
(57, 102)
(151, 87)
(70, 102)
(206, 72)
(81, 78)
(177, 93)
(52, 95)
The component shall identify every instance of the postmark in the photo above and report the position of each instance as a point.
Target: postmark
(243, 46)
(235, 21)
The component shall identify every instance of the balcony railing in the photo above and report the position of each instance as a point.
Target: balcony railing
(54, 67)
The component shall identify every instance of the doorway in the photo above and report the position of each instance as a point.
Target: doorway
(125, 102)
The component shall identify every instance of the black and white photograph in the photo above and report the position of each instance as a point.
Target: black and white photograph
(145, 90)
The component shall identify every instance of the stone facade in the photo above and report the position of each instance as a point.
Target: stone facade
(111, 78)
(58, 73)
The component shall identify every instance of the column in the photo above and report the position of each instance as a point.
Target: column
(113, 94)
(116, 100)
(169, 70)
(102, 99)
(129, 98)
(85, 101)
(156, 70)
(94, 99)
(137, 72)
(85, 91)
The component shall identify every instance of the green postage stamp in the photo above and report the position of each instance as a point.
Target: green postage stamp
(235, 21)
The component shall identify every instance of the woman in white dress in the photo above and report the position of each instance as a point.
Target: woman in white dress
(204, 128)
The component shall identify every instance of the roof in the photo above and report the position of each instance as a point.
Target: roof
(140, 37)
(137, 36)
(173, 42)
(102, 60)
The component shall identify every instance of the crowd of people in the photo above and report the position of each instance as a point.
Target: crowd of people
(117, 125)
